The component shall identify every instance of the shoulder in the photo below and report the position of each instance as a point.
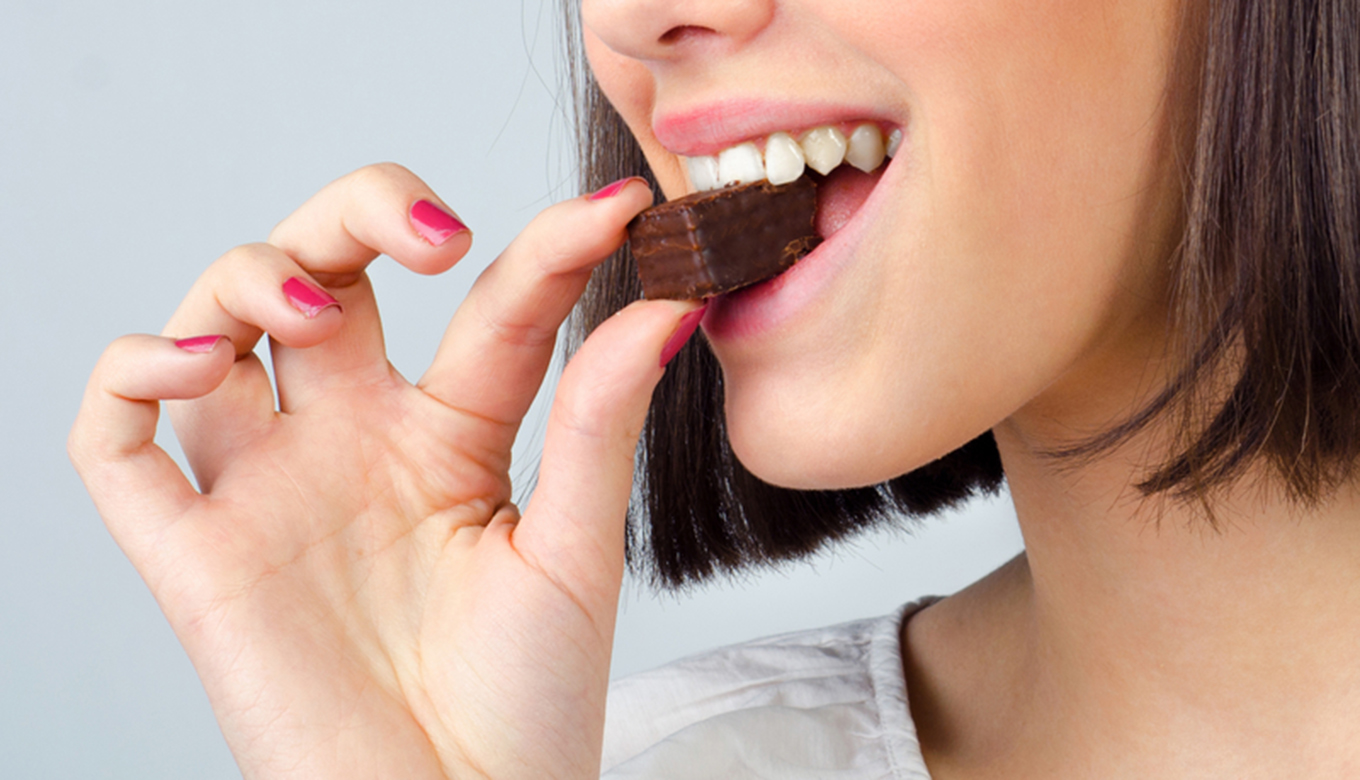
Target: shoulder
(791, 706)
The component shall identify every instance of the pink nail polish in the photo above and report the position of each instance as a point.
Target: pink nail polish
(611, 190)
(307, 297)
(199, 343)
(688, 324)
(433, 223)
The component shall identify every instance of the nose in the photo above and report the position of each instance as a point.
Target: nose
(667, 29)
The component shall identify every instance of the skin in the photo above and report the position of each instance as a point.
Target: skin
(1020, 285)
(351, 581)
(1034, 176)
(1016, 285)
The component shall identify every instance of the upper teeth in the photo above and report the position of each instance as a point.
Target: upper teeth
(784, 158)
(866, 150)
(822, 149)
(740, 164)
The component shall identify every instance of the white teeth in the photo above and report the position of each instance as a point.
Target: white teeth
(740, 164)
(824, 149)
(783, 159)
(866, 148)
(703, 173)
(894, 141)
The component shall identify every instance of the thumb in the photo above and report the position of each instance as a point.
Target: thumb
(573, 528)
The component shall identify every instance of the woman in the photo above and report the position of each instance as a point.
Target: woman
(1114, 254)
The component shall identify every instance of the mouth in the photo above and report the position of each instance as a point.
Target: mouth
(847, 150)
(846, 159)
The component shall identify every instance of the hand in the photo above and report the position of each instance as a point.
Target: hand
(353, 585)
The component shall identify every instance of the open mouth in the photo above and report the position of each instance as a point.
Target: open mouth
(846, 160)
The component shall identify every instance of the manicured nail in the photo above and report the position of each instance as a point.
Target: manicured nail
(307, 297)
(612, 189)
(199, 343)
(434, 224)
(688, 324)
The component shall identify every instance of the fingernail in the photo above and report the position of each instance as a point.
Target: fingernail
(688, 324)
(307, 297)
(199, 343)
(611, 190)
(434, 224)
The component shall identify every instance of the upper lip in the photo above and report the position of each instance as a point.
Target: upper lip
(708, 128)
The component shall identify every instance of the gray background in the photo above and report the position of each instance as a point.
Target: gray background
(140, 140)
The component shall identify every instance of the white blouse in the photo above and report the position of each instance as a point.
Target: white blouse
(830, 703)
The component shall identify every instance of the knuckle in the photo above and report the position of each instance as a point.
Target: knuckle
(81, 441)
(587, 409)
(114, 366)
(85, 448)
(382, 177)
(576, 422)
(243, 255)
(116, 354)
(520, 333)
(77, 447)
(241, 261)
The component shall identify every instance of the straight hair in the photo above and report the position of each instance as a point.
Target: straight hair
(1265, 292)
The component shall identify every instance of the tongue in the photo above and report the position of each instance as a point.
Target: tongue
(840, 195)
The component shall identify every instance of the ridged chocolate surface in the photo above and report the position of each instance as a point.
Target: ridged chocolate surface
(713, 242)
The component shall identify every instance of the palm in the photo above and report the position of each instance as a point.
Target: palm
(373, 531)
(358, 594)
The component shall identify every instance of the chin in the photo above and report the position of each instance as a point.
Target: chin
(819, 452)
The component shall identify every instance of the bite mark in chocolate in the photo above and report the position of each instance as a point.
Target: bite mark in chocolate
(715, 242)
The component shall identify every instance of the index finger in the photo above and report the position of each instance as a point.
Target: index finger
(498, 346)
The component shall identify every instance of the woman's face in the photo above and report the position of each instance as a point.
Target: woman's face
(1007, 264)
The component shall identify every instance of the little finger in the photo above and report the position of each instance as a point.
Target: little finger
(136, 486)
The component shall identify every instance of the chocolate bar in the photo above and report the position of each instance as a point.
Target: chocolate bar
(714, 242)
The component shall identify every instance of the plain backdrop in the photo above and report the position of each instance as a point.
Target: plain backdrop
(141, 139)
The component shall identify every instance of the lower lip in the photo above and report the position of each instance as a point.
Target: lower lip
(772, 304)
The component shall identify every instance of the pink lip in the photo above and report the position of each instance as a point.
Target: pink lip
(711, 127)
(765, 307)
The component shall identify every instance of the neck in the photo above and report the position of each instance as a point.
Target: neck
(1142, 628)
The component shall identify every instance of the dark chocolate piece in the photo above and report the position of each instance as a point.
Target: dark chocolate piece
(713, 242)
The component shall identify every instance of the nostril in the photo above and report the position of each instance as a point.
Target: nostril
(683, 33)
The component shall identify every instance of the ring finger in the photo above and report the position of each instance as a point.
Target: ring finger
(252, 289)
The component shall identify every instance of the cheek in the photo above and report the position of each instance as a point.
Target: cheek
(631, 90)
(1038, 156)
(1037, 102)
(1042, 141)
(1046, 157)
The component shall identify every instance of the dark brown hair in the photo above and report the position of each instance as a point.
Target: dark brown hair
(1266, 291)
